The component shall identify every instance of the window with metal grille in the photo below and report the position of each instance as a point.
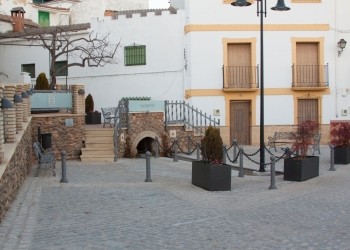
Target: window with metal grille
(44, 18)
(135, 55)
(29, 68)
(61, 68)
(308, 110)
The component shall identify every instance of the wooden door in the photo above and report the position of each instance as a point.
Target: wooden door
(308, 71)
(240, 121)
(239, 70)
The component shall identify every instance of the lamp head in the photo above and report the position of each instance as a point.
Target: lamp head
(341, 46)
(240, 3)
(280, 6)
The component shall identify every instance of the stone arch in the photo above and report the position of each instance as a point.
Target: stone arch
(141, 136)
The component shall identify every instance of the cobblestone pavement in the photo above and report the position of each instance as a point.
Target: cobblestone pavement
(110, 206)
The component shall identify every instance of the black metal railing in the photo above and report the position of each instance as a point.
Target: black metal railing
(181, 113)
(240, 77)
(310, 76)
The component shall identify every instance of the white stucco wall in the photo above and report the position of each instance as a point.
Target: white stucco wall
(161, 77)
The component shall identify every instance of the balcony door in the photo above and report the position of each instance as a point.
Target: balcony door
(239, 70)
(240, 120)
(308, 69)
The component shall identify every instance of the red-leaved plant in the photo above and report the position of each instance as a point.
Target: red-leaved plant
(342, 138)
(304, 137)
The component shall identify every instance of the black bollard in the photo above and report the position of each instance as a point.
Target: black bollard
(198, 152)
(224, 154)
(148, 167)
(157, 148)
(273, 173)
(241, 172)
(332, 168)
(64, 173)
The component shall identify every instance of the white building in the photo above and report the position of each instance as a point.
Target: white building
(208, 54)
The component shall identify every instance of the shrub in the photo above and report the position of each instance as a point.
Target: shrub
(41, 82)
(304, 137)
(89, 103)
(342, 138)
(211, 146)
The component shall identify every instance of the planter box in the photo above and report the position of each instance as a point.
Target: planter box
(301, 169)
(93, 118)
(211, 177)
(341, 155)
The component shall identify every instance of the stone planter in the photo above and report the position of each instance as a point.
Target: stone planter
(341, 155)
(211, 177)
(93, 118)
(301, 169)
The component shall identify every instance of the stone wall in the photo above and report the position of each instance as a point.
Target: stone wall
(14, 169)
(63, 136)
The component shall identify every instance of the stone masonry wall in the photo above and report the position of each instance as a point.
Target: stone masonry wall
(15, 172)
(63, 137)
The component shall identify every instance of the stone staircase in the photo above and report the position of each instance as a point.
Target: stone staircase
(99, 146)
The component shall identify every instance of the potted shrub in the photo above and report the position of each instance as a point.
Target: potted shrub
(341, 143)
(92, 117)
(42, 83)
(210, 173)
(302, 166)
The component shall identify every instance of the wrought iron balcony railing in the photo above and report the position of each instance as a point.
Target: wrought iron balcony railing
(306, 76)
(240, 77)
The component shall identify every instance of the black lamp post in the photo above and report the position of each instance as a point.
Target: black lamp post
(261, 11)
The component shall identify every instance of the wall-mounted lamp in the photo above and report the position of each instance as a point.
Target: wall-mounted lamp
(341, 46)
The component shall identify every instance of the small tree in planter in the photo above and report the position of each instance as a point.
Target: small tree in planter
(341, 143)
(92, 117)
(302, 166)
(42, 83)
(210, 173)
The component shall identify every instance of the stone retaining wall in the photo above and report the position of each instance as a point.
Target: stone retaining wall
(14, 169)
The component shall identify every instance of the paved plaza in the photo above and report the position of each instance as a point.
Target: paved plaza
(110, 206)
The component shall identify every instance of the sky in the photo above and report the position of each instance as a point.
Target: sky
(158, 4)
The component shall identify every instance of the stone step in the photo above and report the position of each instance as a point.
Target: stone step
(96, 159)
(96, 145)
(102, 132)
(96, 152)
(99, 139)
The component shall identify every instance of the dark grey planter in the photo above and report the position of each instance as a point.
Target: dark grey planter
(301, 169)
(211, 177)
(93, 118)
(341, 155)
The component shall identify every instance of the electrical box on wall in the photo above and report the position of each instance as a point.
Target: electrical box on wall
(344, 112)
(216, 112)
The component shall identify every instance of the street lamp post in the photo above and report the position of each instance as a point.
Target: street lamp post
(261, 12)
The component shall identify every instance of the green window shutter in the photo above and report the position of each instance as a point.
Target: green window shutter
(44, 19)
(135, 55)
(58, 66)
(29, 68)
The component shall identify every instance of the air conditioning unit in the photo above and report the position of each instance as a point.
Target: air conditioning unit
(344, 112)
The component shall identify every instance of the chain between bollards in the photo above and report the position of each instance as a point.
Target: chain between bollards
(148, 167)
(64, 167)
(273, 173)
(332, 168)
(234, 143)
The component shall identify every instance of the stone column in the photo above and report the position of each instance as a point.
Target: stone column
(78, 92)
(1, 126)
(19, 108)
(9, 114)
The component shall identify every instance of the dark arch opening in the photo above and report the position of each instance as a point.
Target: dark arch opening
(146, 144)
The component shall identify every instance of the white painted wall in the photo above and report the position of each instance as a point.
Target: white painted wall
(161, 77)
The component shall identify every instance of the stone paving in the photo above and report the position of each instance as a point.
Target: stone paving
(110, 206)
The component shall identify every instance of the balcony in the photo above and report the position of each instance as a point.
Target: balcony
(310, 77)
(240, 78)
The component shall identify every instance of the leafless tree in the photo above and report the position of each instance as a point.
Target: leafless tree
(89, 50)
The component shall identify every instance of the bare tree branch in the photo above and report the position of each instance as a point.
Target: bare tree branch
(92, 50)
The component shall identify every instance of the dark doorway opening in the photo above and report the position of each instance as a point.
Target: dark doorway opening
(146, 144)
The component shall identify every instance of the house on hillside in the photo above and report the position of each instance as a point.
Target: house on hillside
(208, 53)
